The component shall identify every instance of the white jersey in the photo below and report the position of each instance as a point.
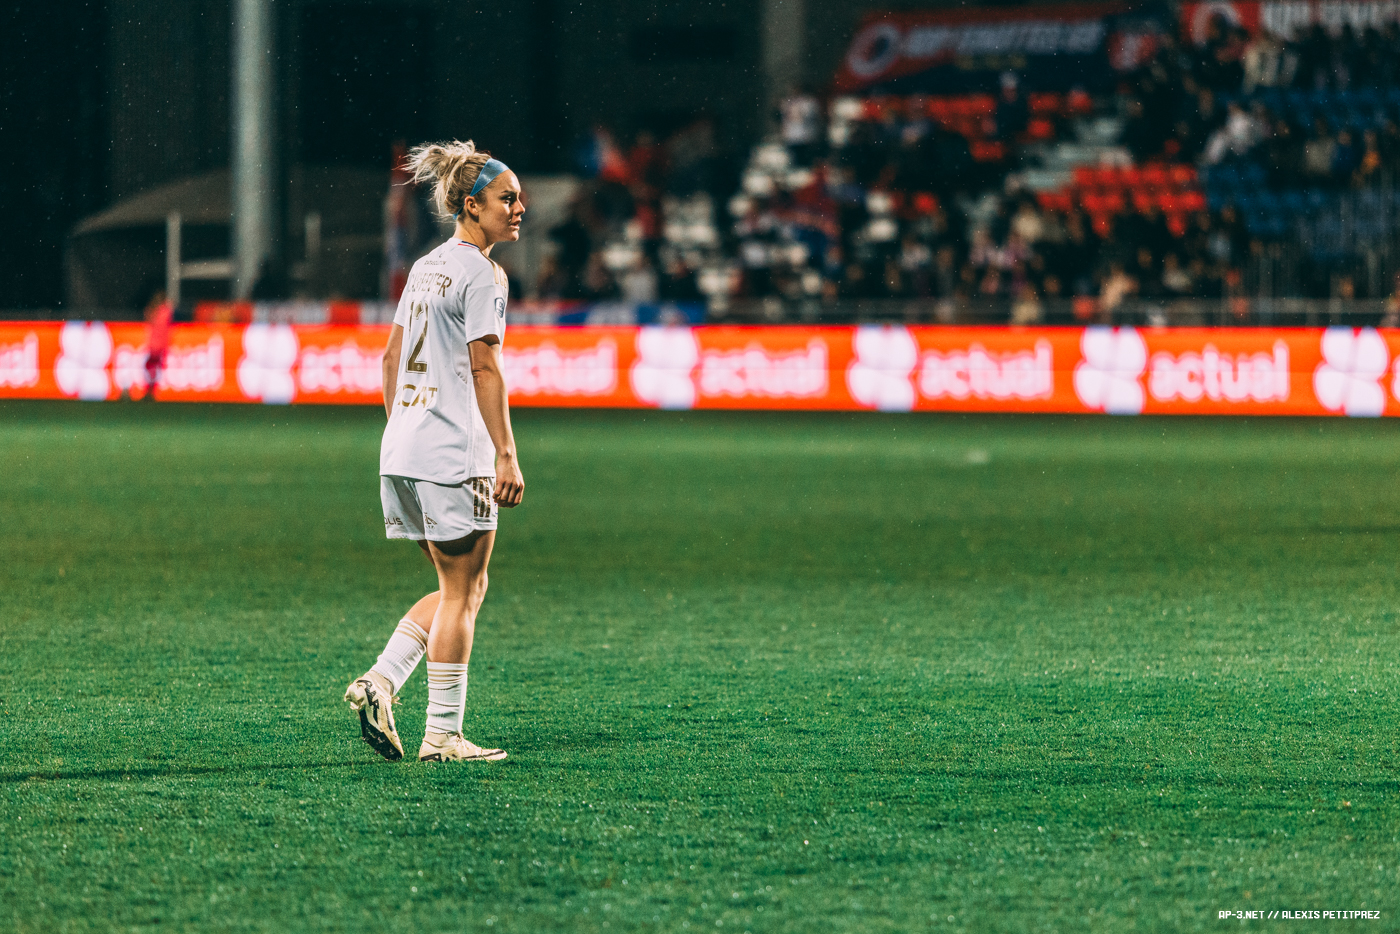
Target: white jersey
(454, 295)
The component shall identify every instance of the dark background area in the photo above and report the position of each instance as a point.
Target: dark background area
(102, 99)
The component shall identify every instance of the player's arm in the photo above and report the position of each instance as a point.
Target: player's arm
(390, 366)
(490, 386)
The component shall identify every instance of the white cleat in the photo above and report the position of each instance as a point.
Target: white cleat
(371, 696)
(452, 747)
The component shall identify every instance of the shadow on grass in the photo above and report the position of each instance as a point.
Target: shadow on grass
(161, 772)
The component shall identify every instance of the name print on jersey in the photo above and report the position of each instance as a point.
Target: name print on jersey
(426, 281)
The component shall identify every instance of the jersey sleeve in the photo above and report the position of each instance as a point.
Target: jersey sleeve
(484, 308)
(402, 313)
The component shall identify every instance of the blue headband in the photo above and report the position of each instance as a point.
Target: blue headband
(489, 171)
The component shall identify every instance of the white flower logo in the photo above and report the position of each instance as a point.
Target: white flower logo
(1108, 377)
(880, 376)
(665, 359)
(1349, 377)
(265, 372)
(84, 351)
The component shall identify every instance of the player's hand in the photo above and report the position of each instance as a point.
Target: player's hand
(510, 484)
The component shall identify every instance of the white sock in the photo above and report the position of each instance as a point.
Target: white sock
(406, 648)
(447, 695)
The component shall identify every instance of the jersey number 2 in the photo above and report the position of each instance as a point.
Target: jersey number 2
(414, 364)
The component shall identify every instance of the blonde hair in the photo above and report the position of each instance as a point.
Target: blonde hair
(452, 167)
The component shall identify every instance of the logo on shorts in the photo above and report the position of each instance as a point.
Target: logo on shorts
(429, 521)
(500, 308)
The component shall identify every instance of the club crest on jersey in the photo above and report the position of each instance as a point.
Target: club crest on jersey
(500, 308)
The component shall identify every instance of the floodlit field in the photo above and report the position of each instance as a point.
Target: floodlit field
(755, 673)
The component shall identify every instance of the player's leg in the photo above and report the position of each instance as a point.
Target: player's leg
(371, 696)
(406, 646)
(462, 580)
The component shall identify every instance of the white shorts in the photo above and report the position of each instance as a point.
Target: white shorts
(418, 509)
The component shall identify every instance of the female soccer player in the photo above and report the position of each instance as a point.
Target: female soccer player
(448, 456)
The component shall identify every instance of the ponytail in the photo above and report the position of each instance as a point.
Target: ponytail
(452, 167)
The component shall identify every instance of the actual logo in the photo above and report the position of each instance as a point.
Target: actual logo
(1109, 378)
(85, 349)
(269, 354)
(662, 374)
(500, 308)
(881, 375)
(1349, 377)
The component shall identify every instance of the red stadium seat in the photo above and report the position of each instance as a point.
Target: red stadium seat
(1040, 129)
(1103, 224)
(1045, 103)
(1084, 177)
(984, 105)
(988, 150)
(1143, 200)
(1191, 201)
(1155, 176)
(1183, 175)
(1130, 176)
(1106, 176)
(1176, 223)
(1167, 201)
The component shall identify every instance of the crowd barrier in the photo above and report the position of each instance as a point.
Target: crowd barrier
(1124, 370)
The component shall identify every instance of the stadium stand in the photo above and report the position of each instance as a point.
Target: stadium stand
(1228, 166)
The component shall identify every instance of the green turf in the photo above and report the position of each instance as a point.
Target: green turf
(755, 673)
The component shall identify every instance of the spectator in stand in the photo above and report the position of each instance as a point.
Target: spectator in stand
(1145, 272)
(640, 285)
(1392, 307)
(1028, 223)
(598, 282)
(916, 264)
(1143, 135)
(1176, 281)
(1241, 133)
(1368, 169)
(679, 284)
(945, 272)
(1027, 307)
(1319, 154)
(550, 282)
(1012, 113)
(1116, 288)
(1283, 156)
(1263, 59)
(573, 246)
(1196, 125)
(800, 121)
(1345, 159)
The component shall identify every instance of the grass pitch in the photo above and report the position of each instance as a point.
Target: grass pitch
(755, 673)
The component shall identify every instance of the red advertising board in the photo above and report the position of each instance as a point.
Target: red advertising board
(1284, 18)
(1128, 371)
(1051, 47)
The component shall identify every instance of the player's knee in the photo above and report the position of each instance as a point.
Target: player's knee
(476, 593)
